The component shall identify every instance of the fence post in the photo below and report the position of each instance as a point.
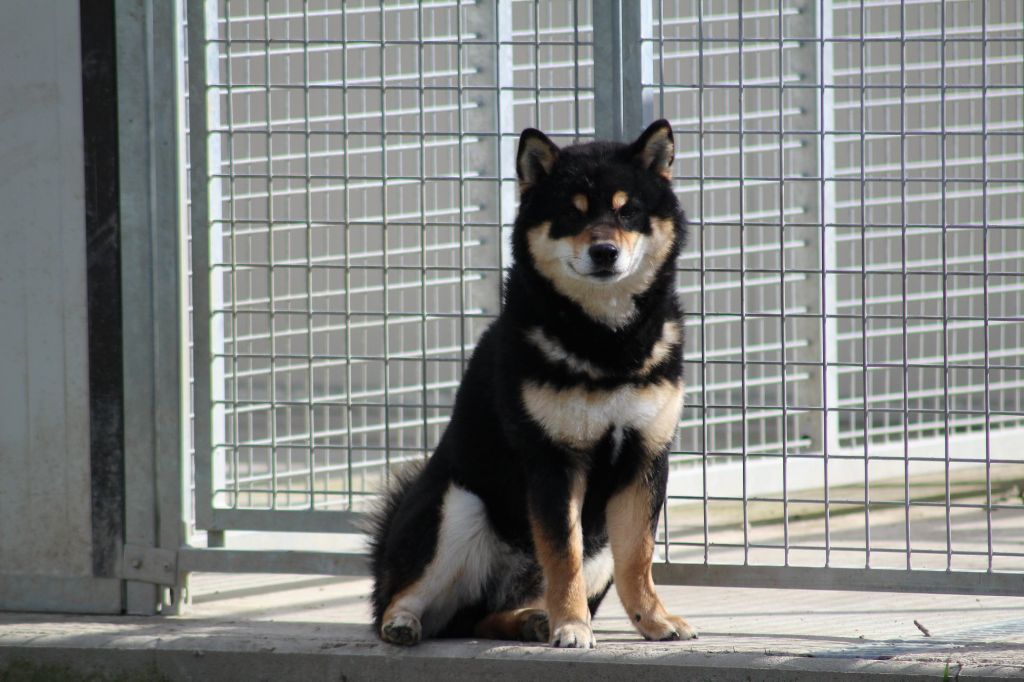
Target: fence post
(208, 332)
(623, 66)
(148, 37)
(490, 157)
(811, 59)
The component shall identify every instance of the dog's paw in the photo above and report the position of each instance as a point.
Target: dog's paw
(665, 628)
(573, 635)
(403, 629)
(534, 626)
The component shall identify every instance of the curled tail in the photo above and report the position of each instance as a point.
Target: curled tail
(378, 528)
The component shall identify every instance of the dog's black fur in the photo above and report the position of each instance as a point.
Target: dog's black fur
(494, 448)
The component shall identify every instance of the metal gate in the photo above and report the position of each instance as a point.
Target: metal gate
(854, 176)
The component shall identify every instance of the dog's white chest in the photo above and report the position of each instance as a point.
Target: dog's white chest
(579, 417)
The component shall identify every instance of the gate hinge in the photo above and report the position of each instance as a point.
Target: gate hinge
(150, 565)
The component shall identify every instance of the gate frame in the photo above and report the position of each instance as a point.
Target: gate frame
(622, 46)
(150, 175)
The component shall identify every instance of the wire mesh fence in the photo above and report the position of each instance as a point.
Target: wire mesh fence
(362, 200)
(856, 169)
(854, 177)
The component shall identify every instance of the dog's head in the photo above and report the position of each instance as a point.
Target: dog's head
(598, 221)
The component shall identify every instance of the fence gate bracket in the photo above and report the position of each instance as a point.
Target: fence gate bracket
(150, 565)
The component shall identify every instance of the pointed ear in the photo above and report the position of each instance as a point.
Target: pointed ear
(535, 158)
(656, 149)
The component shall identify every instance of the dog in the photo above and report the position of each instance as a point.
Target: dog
(547, 484)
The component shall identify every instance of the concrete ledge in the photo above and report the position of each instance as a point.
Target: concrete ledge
(59, 594)
(261, 627)
(34, 647)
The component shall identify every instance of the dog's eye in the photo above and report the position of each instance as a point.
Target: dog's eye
(629, 210)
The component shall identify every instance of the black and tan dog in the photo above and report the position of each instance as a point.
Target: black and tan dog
(549, 480)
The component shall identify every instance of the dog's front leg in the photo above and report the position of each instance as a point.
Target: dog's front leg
(632, 514)
(556, 499)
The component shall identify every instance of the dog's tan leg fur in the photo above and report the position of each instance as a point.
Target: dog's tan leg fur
(527, 625)
(629, 531)
(562, 562)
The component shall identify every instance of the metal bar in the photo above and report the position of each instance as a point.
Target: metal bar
(705, 434)
(865, 377)
(271, 307)
(794, 577)
(310, 341)
(903, 287)
(385, 238)
(169, 289)
(424, 367)
(349, 412)
(744, 424)
(138, 320)
(218, 337)
(857, 579)
(826, 198)
(945, 279)
(150, 200)
(193, 559)
(287, 521)
(784, 399)
(208, 374)
(661, 98)
(623, 101)
(986, 290)
(804, 183)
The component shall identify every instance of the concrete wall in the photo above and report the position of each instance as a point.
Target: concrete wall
(45, 510)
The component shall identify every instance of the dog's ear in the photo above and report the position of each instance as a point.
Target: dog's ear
(656, 149)
(535, 158)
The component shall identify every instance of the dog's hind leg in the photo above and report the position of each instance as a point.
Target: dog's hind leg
(463, 560)
(527, 625)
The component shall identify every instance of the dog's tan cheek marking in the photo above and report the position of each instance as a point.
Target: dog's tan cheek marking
(566, 589)
(663, 235)
(542, 248)
(627, 241)
(539, 239)
(619, 200)
(580, 242)
(580, 202)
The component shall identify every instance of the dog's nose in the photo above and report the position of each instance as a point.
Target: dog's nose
(604, 254)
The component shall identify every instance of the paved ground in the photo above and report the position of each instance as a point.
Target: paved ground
(259, 627)
(294, 627)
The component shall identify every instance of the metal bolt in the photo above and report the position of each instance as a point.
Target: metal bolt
(136, 563)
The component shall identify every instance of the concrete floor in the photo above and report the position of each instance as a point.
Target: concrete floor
(296, 627)
(274, 627)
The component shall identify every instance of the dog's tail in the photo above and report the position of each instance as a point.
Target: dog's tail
(377, 528)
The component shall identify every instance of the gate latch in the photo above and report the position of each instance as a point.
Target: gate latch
(150, 565)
